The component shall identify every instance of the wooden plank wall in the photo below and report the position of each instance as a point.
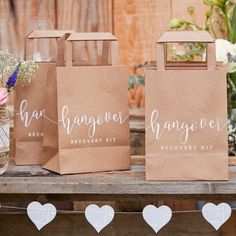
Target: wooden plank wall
(29, 15)
(84, 16)
(182, 224)
(79, 15)
(138, 24)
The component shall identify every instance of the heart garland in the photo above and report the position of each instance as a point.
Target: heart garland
(216, 215)
(157, 217)
(40, 214)
(100, 217)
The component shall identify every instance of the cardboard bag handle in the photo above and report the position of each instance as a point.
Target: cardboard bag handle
(60, 35)
(186, 36)
(105, 37)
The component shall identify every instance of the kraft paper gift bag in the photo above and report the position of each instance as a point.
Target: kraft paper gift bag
(92, 112)
(50, 130)
(29, 104)
(186, 115)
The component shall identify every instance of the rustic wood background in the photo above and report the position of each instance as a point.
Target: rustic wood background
(190, 224)
(137, 24)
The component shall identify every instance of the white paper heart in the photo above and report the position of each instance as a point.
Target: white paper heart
(41, 215)
(157, 218)
(216, 215)
(99, 217)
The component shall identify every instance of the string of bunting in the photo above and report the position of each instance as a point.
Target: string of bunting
(100, 217)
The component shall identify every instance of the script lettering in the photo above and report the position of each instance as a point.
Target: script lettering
(26, 116)
(183, 127)
(91, 121)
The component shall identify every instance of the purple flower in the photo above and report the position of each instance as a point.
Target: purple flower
(12, 79)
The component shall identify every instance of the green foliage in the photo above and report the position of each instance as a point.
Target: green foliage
(233, 25)
(194, 49)
(218, 3)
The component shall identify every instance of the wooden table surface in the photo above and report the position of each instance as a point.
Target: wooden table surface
(126, 191)
(35, 180)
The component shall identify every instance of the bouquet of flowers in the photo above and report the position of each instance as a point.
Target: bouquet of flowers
(12, 72)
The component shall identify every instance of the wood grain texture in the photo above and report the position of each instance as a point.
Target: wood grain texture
(179, 10)
(137, 24)
(34, 180)
(4, 9)
(79, 15)
(125, 224)
(128, 220)
(30, 15)
(86, 16)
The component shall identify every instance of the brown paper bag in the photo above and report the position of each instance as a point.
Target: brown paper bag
(29, 105)
(93, 117)
(186, 115)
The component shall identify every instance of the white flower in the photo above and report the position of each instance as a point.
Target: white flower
(224, 47)
(230, 67)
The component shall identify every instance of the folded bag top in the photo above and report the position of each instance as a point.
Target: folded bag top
(185, 37)
(106, 38)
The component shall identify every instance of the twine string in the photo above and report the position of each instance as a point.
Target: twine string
(117, 212)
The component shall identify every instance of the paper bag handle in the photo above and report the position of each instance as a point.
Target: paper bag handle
(105, 37)
(186, 36)
(60, 35)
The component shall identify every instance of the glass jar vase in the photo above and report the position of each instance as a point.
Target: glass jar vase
(4, 138)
